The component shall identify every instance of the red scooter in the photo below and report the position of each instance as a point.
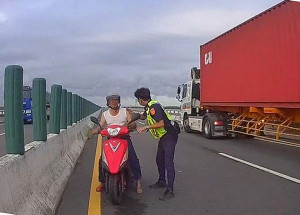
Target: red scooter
(115, 159)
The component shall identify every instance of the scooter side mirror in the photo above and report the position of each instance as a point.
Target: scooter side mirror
(94, 120)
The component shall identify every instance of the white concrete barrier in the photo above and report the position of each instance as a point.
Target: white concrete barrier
(32, 184)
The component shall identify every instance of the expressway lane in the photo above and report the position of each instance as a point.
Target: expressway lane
(206, 181)
(281, 158)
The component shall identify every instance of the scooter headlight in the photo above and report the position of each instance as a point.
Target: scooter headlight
(113, 131)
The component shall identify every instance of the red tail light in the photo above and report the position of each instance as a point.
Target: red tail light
(218, 122)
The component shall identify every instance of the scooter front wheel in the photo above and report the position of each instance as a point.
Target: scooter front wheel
(115, 189)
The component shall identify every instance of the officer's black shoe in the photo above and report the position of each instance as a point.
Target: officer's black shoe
(168, 194)
(159, 184)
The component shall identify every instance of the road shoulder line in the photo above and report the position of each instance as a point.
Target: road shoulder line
(295, 180)
(95, 197)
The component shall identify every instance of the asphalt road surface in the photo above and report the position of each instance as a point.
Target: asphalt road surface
(218, 176)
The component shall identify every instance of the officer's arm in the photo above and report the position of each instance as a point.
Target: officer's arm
(133, 124)
(143, 117)
(158, 117)
(159, 124)
(157, 113)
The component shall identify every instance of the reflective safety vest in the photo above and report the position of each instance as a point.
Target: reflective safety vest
(157, 132)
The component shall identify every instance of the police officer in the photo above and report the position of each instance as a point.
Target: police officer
(160, 127)
(116, 115)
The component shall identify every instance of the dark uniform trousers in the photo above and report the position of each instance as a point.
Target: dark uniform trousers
(133, 161)
(165, 158)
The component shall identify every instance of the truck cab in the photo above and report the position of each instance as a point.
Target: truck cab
(27, 104)
(195, 117)
(189, 93)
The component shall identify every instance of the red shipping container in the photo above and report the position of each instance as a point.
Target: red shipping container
(256, 63)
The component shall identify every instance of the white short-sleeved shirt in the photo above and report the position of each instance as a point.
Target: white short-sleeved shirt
(119, 119)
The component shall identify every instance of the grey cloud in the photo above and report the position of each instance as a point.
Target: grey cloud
(94, 48)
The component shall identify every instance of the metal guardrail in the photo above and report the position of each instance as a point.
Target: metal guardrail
(66, 109)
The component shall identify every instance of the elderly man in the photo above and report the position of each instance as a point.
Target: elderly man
(116, 115)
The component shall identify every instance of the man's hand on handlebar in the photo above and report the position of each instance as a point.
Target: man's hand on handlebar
(96, 130)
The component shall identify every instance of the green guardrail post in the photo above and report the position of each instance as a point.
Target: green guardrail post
(63, 116)
(39, 109)
(84, 108)
(83, 113)
(91, 107)
(55, 108)
(87, 108)
(77, 108)
(79, 98)
(80, 108)
(13, 108)
(69, 108)
(74, 108)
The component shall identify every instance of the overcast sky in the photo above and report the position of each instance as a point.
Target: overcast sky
(95, 47)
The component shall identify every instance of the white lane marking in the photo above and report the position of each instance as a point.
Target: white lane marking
(2, 134)
(262, 168)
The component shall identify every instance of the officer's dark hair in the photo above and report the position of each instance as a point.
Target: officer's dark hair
(142, 93)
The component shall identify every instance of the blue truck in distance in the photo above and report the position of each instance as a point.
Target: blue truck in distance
(27, 104)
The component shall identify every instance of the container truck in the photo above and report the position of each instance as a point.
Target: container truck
(249, 79)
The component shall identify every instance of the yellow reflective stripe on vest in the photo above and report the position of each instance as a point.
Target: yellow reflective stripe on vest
(158, 132)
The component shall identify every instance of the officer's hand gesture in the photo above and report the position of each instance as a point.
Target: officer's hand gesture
(141, 129)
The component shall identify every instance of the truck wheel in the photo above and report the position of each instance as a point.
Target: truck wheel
(207, 131)
(186, 126)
